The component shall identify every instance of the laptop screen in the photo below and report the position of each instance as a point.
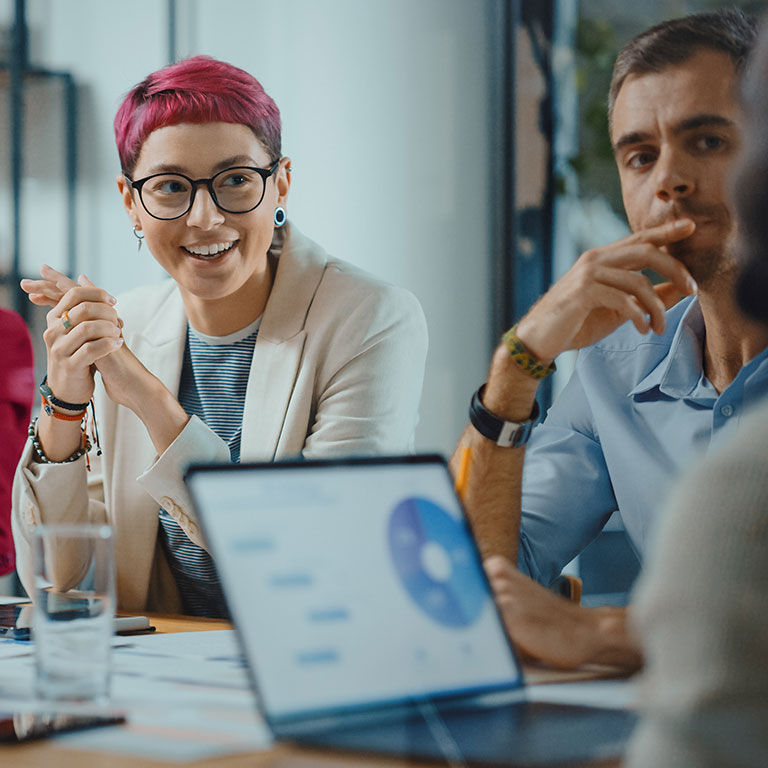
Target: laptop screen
(352, 583)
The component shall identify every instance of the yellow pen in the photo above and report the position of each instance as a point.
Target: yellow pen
(462, 478)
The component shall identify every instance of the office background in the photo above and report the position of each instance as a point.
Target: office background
(454, 147)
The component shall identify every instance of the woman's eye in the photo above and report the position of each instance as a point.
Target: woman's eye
(235, 180)
(169, 187)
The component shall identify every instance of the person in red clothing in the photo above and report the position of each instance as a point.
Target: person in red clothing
(17, 387)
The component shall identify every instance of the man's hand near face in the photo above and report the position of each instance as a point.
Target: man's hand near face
(602, 290)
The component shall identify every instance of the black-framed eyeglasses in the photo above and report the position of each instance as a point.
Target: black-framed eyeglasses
(169, 196)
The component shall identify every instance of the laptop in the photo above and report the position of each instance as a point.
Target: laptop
(366, 619)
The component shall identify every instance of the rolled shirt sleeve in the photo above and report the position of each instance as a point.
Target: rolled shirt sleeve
(567, 492)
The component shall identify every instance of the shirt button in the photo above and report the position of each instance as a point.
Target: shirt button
(727, 410)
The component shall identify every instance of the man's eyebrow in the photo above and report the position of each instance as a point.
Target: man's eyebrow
(689, 124)
(636, 137)
(703, 121)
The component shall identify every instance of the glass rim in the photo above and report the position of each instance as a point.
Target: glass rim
(264, 173)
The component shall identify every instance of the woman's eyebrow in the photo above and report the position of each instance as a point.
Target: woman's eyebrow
(229, 162)
(236, 160)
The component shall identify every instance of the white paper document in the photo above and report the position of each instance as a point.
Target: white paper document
(186, 696)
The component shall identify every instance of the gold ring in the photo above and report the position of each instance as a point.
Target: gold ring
(66, 322)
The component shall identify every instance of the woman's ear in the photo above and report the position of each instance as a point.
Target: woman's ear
(283, 180)
(126, 192)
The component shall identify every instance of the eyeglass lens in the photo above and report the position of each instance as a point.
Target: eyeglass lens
(236, 190)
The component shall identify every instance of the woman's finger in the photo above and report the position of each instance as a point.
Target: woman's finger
(91, 310)
(42, 292)
(80, 294)
(84, 280)
(92, 351)
(59, 279)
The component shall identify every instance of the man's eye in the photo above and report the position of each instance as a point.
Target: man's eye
(710, 142)
(640, 159)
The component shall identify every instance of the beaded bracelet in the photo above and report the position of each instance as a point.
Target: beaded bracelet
(40, 454)
(523, 357)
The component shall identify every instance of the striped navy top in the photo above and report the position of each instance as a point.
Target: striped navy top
(214, 377)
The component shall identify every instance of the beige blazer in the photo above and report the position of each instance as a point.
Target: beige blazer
(337, 370)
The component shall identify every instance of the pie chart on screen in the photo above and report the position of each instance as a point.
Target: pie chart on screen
(435, 559)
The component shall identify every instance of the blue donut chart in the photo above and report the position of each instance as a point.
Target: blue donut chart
(457, 601)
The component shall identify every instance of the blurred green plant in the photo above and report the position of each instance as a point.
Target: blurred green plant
(596, 49)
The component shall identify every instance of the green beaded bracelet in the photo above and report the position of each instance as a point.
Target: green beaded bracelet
(523, 358)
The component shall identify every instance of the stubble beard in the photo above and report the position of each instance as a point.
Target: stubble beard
(712, 268)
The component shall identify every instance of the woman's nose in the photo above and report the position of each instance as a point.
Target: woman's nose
(204, 214)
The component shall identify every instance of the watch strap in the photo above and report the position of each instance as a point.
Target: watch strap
(507, 434)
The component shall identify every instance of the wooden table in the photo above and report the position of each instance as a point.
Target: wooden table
(50, 755)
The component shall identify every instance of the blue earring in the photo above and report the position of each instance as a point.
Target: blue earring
(280, 216)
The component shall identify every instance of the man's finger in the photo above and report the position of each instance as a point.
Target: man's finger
(669, 294)
(639, 256)
(670, 232)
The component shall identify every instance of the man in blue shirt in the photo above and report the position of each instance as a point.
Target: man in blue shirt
(657, 381)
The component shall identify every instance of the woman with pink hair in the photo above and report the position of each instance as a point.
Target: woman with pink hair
(260, 347)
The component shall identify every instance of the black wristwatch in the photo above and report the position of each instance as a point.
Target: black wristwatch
(507, 434)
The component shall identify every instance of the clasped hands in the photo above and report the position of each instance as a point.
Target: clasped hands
(84, 334)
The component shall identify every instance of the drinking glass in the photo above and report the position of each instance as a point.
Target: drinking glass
(74, 599)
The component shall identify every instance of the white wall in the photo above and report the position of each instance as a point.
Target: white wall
(385, 114)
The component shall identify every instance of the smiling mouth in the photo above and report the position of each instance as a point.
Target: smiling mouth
(208, 252)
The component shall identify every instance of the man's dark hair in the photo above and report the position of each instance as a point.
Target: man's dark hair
(729, 31)
(749, 186)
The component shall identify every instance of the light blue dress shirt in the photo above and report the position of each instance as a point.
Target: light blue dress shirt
(636, 413)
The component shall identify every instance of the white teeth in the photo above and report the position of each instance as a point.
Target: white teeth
(209, 250)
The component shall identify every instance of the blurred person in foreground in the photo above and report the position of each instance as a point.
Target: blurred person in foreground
(658, 382)
(261, 346)
(17, 387)
(702, 605)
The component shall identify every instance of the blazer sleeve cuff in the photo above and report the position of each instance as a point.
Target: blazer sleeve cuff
(50, 493)
(164, 479)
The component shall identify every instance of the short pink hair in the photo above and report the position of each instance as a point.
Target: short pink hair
(196, 90)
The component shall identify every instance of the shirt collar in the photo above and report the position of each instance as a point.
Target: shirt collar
(680, 373)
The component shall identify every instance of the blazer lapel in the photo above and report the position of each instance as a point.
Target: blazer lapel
(280, 343)
(270, 385)
(160, 347)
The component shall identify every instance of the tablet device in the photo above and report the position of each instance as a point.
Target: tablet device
(367, 620)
